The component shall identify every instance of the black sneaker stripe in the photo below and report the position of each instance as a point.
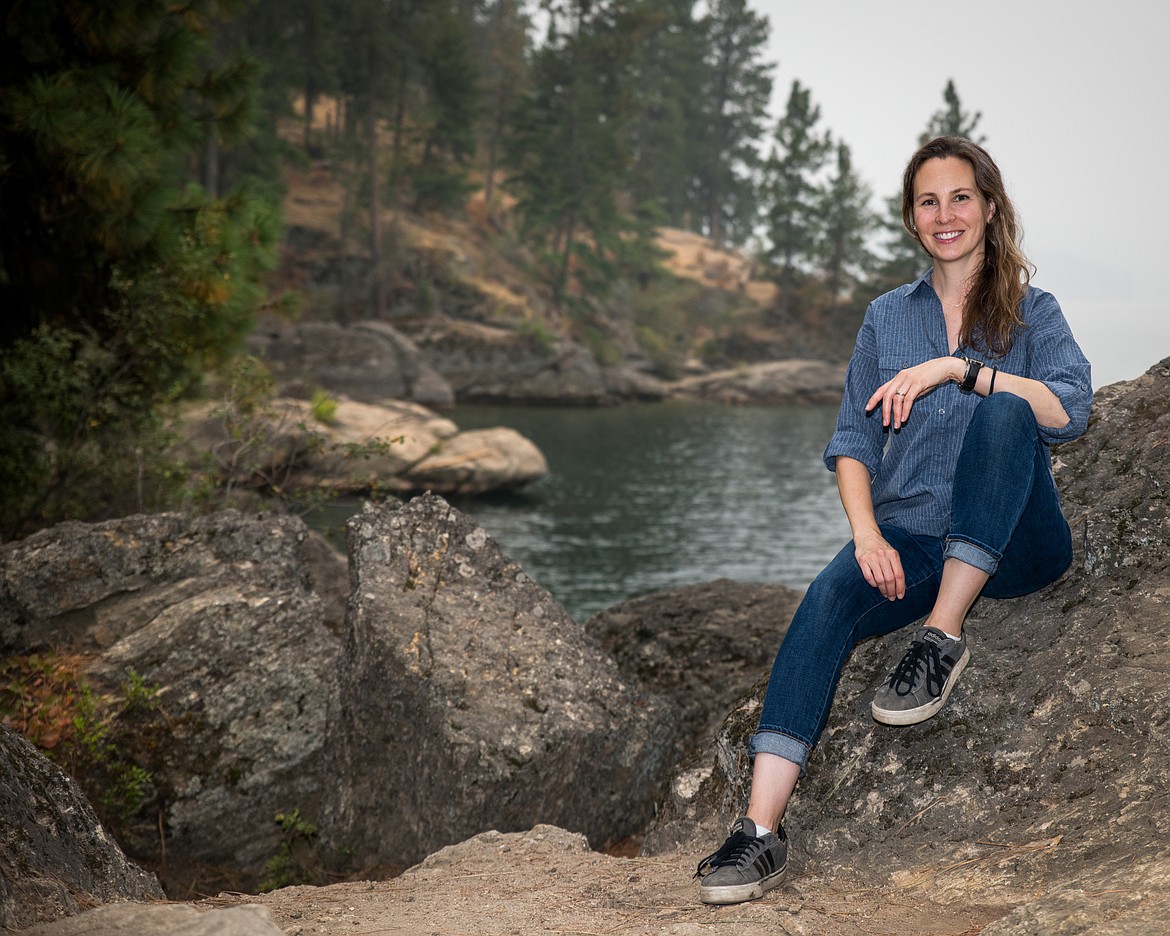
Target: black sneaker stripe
(765, 863)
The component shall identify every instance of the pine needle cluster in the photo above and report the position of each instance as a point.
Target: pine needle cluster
(121, 280)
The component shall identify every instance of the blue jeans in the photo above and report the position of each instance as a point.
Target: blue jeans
(1005, 519)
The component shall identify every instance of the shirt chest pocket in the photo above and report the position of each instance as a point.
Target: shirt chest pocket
(890, 362)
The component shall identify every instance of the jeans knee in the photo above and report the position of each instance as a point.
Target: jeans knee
(1005, 406)
(1003, 421)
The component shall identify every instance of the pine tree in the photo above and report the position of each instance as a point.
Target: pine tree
(121, 281)
(568, 151)
(905, 259)
(952, 120)
(299, 43)
(449, 108)
(733, 108)
(409, 87)
(792, 190)
(669, 72)
(846, 222)
(503, 56)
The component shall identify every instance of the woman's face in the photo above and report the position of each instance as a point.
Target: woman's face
(950, 212)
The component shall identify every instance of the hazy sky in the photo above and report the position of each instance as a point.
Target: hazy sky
(1075, 97)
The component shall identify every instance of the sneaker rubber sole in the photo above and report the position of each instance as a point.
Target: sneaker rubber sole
(923, 712)
(738, 893)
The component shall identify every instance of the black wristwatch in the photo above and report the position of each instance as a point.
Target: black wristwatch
(971, 375)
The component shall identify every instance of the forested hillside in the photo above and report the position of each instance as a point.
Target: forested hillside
(532, 162)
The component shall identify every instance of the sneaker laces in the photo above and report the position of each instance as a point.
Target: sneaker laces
(922, 653)
(729, 853)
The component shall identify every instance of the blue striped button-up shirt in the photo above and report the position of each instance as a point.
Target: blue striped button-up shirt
(913, 468)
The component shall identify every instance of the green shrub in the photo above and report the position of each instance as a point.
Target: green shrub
(324, 407)
(291, 864)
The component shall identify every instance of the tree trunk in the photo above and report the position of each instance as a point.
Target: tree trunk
(377, 299)
(399, 123)
(562, 280)
(493, 143)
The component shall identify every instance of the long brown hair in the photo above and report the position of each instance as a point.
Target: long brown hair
(991, 315)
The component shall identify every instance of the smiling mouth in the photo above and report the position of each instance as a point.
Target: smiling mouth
(947, 236)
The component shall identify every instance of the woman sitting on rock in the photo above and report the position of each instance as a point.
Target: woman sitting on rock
(957, 385)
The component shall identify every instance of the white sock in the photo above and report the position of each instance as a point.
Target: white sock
(761, 831)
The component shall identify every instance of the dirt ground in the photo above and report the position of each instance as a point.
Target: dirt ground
(547, 882)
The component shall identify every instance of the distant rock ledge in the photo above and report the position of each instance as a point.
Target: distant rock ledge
(444, 361)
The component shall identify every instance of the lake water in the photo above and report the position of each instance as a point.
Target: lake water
(642, 497)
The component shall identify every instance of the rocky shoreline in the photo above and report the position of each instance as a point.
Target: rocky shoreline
(384, 430)
(437, 361)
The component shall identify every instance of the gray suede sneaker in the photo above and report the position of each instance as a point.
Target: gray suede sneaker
(919, 685)
(744, 867)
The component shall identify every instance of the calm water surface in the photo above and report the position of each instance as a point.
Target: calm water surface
(643, 497)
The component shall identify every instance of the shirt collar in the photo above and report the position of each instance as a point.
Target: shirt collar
(925, 279)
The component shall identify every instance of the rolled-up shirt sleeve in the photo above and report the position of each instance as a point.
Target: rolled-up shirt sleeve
(857, 434)
(1056, 360)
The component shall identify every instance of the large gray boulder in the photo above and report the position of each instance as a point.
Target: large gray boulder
(369, 361)
(1046, 773)
(469, 700)
(221, 614)
(55, 857)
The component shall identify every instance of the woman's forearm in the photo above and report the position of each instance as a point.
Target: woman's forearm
(1046, 405)
(898, 395)
(856, 489)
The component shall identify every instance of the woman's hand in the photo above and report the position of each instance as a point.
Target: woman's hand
(897, 396)
(880, 564)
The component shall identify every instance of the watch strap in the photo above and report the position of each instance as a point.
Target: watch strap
(970, 375)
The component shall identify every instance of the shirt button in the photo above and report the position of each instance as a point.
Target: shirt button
(942, 412)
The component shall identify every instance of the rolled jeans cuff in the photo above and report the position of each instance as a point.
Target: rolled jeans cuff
(971, 553)
(782, 745)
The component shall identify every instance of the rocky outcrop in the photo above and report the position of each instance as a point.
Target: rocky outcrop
(469, 700)
(487, 363)
(398, 447)
(700, 646)
(369, 361)
(1046, 772)
(492, 364)
(446, 360)
(55, 857)
(774, 382)
(218, 612)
